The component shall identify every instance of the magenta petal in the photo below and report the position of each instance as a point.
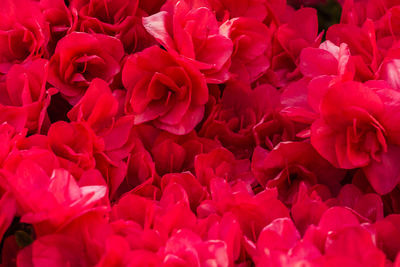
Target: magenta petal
(191, 118)
(157, 26)
(385, 175)
(315, 62)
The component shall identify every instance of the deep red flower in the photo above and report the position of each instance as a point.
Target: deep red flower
(222, 163)
(241, 110)
(291, 163)
(120, 19)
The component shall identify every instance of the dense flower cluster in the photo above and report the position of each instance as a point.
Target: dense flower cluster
(199, 133)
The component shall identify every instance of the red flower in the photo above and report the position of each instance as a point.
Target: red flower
(362, 45)
(253, 212)
(291, 163)
(60, 20)
(81, 57)
(356, 129)
(23, 97)
(288, 41)
(103, 17)
(251, 47)
(192, 31)
(74, 144)
(120, 19)
(173, 153)
(387, 232)
(50, 202)
(24, 32)
(221, 163)
(241, 111)
(164, 89)
(369, 205)
(98, 107)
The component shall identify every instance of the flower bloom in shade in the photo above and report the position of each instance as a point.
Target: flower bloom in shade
(121, 19)
(221, 163)
(103, 16)
(291, 163)
(164, 89)
(356, 129)
(174, 154)
(387, 232)
(234, 120)
(368, 205)
(191, 30)
(79, 58)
